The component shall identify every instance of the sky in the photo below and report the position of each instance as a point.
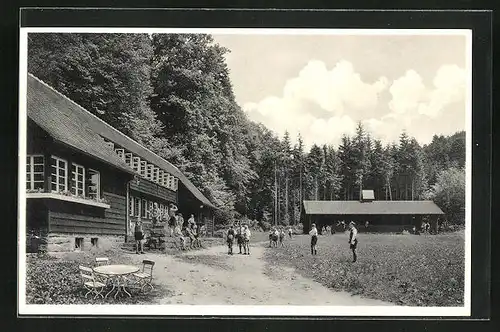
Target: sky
(322, 85)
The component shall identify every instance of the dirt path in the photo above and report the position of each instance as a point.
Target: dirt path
(240, 280)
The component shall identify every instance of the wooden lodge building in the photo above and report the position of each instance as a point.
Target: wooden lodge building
(87, 183)
(382, 216)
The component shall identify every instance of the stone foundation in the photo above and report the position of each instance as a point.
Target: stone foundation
(66, 242)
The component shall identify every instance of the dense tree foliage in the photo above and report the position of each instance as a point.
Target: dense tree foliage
(172, 92)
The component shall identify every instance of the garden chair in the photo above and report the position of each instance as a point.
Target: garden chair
(102, 261)
(99, 261)
(145, 276)
(90, 283)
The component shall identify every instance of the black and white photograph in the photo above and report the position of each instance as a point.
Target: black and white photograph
(226, 171)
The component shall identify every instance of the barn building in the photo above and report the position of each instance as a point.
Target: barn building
(382, 216)
(87, 183)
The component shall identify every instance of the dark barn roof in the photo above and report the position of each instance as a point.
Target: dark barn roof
(71, 124)
(371, 208)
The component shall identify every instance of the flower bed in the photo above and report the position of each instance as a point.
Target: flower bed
(51, 280)
(402, 269)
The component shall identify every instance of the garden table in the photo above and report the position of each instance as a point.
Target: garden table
(118, 275)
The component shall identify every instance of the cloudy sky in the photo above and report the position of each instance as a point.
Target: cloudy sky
(322, 85)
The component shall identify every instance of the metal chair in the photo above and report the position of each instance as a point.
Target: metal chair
(90, 283)
(99, 261)
(145, 276)
(102, 261)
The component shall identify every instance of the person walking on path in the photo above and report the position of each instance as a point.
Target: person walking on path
(314, 239)
(353, 241)
(230, 240)
(246, 240)
(290, 232)
(139, 236)
(282, 237)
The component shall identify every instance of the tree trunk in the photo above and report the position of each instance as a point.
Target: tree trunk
(286, 195)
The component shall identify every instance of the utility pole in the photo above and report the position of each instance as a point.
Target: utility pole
(275, 195)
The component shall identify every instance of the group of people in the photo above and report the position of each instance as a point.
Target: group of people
(241, 233)
(174, 226)
(353, 240)
(277, 235)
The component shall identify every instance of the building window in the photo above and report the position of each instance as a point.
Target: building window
(78, 174)
(131, 206)
(93, 241)
(120, 153)
(145, 210)
(137, 207)
(176, 184)
(149, 172)
(169, 182)
(34, 172)
(59, 175)
(161, 173)
(79, 243)
(128, 159)
(150, 210)
(93, 184)
(137, 164)
(144, 165)
(156, 174)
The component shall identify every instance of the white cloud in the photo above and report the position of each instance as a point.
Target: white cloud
(336, 93)
(324, 104)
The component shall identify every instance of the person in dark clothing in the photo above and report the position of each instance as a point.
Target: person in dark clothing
(353, 241)
(230, 240)
(139, 236)
(314, 239)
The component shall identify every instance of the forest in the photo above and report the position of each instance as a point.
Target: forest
(173, 94)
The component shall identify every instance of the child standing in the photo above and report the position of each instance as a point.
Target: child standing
(314, 239)
(353, 241)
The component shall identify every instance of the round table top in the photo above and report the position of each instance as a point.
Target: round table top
(116, 269)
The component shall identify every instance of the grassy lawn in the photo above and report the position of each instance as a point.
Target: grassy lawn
(56, 280)
(426, 270)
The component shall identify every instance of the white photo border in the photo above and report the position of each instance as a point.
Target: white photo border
(237, 310)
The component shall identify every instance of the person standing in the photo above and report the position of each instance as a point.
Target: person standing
(191, 221)
(353, 241)
(314, 239)
(172, 221)
(139, 236)
(180, 221)
(246, 239)
(241, 232)
(230, 239)
(156, 214)
(290, 232)
(282, 237)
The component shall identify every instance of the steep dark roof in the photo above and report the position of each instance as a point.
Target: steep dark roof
(375, 207)
(58, 116)
(71, 124)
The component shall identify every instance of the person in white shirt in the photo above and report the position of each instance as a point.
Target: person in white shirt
(191, 221)
(314, 239)
(246, 239)
(353, 241)
(290, 232)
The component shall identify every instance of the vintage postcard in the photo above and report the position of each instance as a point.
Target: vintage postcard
(248, 172)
